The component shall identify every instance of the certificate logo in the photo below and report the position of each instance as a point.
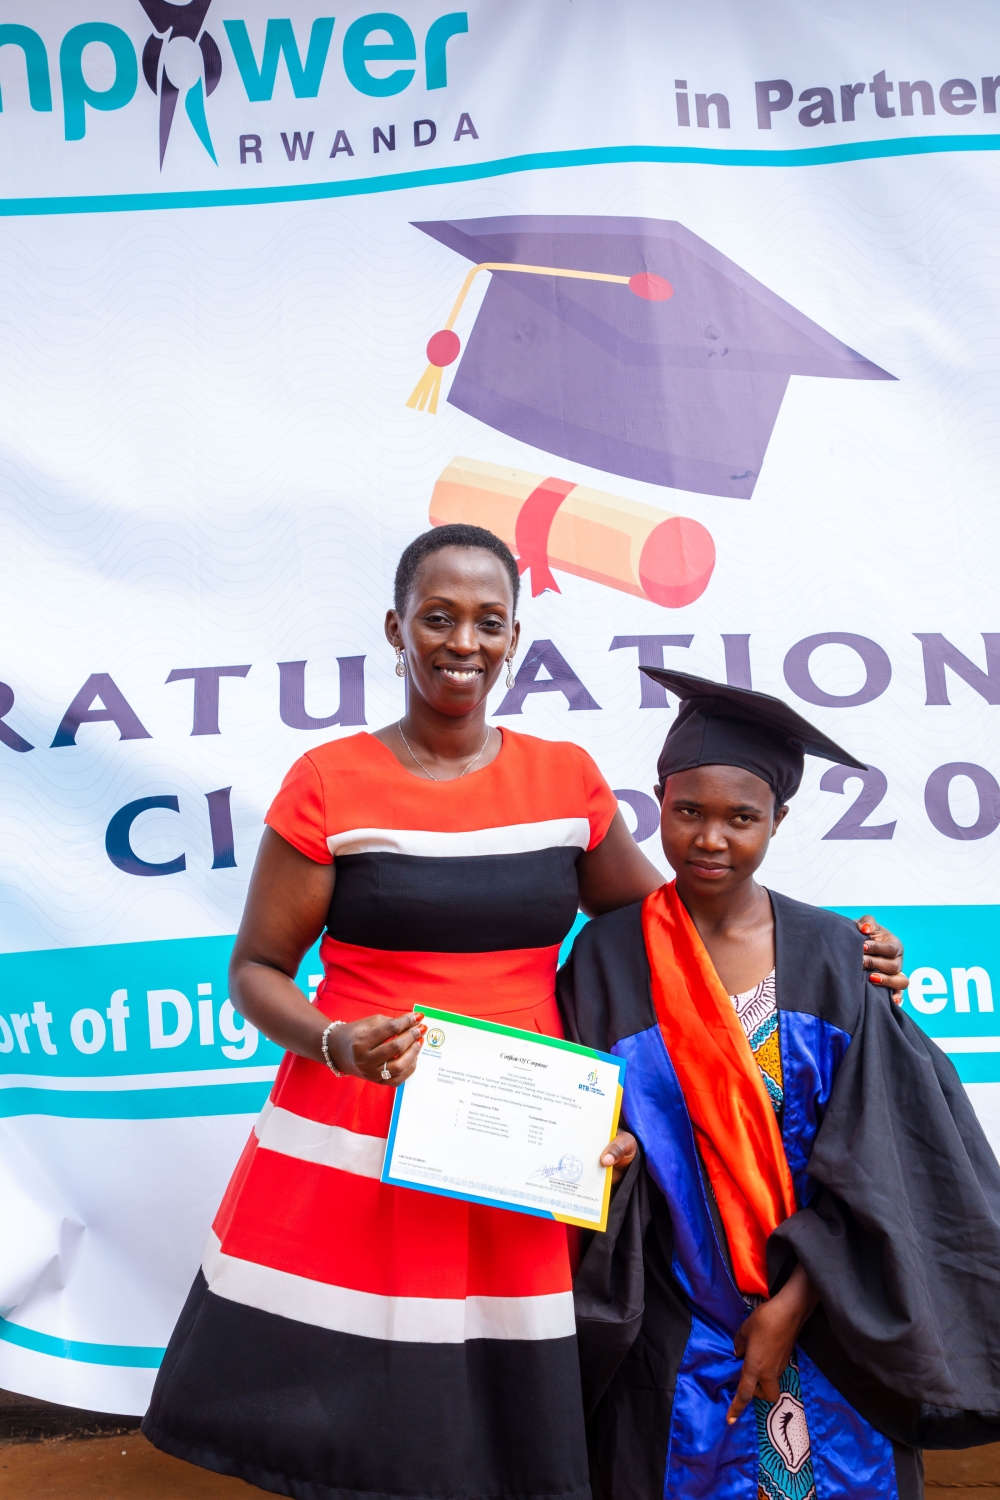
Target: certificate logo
(435, 1038)
(590, 1087)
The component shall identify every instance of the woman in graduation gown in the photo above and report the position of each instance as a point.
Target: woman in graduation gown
(800, 1283)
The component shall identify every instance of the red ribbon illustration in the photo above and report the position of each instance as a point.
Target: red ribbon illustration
(531, 532)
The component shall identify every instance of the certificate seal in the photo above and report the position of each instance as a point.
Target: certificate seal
(570, 1169)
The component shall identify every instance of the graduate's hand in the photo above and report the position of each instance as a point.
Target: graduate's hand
(883, 958)
(766, 1340)
(619, 1154)
(364, 1048)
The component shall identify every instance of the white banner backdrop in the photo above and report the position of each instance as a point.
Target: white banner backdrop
(217, 300)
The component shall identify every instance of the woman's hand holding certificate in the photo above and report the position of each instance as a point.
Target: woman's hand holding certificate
(510, 1118)
(381, 1049)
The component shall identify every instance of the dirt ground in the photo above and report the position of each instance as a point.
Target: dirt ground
(107, 1468)
(128, 1468)
(976, 1472)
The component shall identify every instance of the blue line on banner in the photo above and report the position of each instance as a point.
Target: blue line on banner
(136, 1104)
(535, 161)
(133, 1356)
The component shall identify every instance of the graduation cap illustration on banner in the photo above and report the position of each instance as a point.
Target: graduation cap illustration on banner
(629, 345)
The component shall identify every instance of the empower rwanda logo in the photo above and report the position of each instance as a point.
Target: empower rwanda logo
(181, 57)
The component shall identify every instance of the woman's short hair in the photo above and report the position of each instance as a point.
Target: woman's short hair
(450, 536)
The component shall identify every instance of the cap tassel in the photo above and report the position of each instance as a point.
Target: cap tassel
(444, 347)
(427, 390)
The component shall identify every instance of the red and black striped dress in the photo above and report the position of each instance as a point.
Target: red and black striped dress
(345, 1338)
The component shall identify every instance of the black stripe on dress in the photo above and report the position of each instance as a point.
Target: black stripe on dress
(317, 1415)
(468, 904)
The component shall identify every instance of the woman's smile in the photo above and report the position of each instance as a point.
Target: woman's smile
(459, 674)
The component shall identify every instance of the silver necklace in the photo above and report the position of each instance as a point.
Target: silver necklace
(423, 768)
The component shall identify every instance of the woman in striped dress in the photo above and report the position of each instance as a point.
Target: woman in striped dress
(346, 1338)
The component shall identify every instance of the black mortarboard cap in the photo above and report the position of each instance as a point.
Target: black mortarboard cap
(719, 725)
(630, 345)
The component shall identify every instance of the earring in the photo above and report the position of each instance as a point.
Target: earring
(400, 662)
(510, 673)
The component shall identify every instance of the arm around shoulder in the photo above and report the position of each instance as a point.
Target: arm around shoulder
(615, 872)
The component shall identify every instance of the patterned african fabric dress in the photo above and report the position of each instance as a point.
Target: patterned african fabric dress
(346, 1338)
(786, 1471)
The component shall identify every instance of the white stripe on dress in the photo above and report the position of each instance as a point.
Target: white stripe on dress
(404, 1320)
(513, 838)
(327, 1145)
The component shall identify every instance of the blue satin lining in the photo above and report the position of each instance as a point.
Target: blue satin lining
(706, 1458)
(811, 1052)
(655, 1109)
(851, 1461)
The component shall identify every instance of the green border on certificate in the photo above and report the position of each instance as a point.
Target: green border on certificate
(508, 1118)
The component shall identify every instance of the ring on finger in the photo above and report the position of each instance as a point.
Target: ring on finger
(385, 1074)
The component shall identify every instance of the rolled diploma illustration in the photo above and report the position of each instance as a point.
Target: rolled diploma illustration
(621, 543)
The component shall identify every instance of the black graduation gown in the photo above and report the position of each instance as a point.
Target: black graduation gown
(898, 1226)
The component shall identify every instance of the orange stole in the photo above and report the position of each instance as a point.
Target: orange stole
(733, 1118)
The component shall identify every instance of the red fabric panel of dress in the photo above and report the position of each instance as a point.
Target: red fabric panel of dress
(231, 1197)
(507, 986)
(306, 1088)
(353, 1231)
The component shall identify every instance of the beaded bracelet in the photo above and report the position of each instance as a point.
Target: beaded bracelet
(324, 1044)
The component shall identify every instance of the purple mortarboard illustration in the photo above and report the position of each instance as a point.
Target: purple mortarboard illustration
(629, 345)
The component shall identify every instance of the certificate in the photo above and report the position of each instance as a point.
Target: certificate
(509, 1118)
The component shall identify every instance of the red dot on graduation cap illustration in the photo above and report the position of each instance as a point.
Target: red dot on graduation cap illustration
(443, 348)
(650, 287)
